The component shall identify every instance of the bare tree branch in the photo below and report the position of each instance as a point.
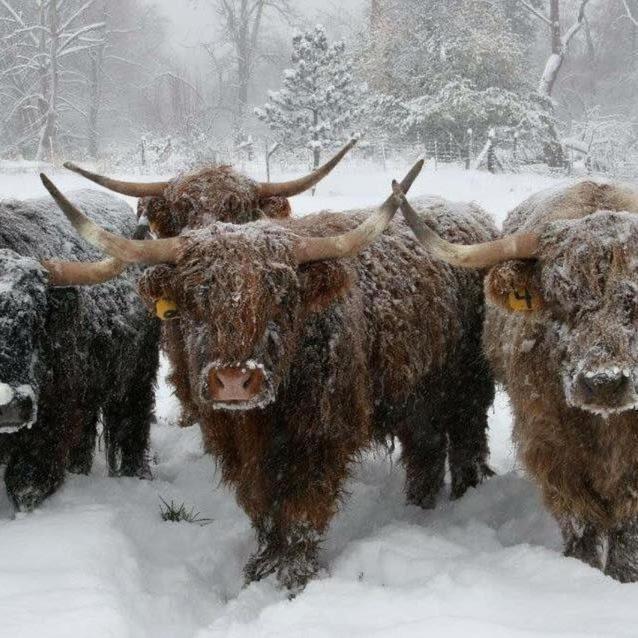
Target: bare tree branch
(535, 12)
(629, 13)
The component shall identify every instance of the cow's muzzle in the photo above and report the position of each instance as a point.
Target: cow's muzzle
(235, 384)
(17, 409)
(604, 390)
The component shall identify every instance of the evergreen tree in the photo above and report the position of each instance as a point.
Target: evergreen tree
(319, 100)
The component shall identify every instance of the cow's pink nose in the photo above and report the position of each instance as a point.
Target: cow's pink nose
(235, 384)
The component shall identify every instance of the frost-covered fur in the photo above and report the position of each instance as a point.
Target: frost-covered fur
(353, 350)
(571, 369)
(199, 198)
(76, 352)
(208, 195)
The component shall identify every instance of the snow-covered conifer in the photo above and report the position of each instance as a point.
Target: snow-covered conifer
(319, 100)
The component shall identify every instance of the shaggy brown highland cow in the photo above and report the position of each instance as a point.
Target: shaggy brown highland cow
(197, 199)
(562, 336)
(303, 341)
(211, 194)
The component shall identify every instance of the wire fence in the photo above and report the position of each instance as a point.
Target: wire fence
(495, 152)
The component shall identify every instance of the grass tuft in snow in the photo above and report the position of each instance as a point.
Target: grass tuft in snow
(173, 513)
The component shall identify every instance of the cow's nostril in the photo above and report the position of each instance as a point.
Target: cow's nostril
(603, 386)
(234, 384)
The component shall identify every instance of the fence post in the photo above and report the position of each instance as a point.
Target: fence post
(143, 151)
(436, 154)
(269, 153)
(515, 149)
(470, 140)
(491, 151)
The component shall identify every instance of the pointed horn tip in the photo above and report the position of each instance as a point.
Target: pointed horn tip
(48, 184)
(71, 166)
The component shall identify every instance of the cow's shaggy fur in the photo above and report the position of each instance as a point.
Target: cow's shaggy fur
(209, 195)
(79, 353)
(352, 350)
(583, 455)
(194, 200)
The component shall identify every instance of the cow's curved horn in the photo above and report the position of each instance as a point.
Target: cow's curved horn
(156, 251)
(132, 189)
(297, 186)
(317, 248)
(484, 255)
(79, 273)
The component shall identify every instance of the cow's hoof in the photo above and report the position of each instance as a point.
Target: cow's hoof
(260, 565)
(28, 485)
(294, 575)
(469, 476)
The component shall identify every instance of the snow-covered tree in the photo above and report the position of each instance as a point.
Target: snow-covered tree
(560, 39)
(41, 37)
(461, 67)
(319, 101)
(419, 47)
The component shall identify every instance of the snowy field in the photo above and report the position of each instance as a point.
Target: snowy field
(97, 560)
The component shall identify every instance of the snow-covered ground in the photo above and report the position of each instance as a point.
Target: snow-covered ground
(97, 560)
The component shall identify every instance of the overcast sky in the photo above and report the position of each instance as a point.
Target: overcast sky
(193, 22)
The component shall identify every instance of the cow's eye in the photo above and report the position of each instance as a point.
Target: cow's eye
(166, 309)
(523, 300)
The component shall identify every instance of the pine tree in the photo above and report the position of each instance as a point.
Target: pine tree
(319, 99)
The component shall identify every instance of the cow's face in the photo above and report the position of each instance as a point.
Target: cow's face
(584, 290)
(241, 300)
(23, 284)
(214, 194)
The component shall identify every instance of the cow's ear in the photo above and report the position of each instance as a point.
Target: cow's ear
(322, 282)
(155, 284)
(514, 286)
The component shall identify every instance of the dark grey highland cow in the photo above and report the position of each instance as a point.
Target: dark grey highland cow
(562, 336)
(69, 354)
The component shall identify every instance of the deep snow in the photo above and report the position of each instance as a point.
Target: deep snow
(97, 560)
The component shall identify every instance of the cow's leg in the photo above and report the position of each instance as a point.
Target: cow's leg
(81, 453)
(128, 417)
(38, 460)
(424, 446)
(622, 557)
(584, 542)
(306, 479)
(466, 400)
(126, 431)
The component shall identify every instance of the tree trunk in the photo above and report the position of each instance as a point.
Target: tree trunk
(48, 136)
(555, 61)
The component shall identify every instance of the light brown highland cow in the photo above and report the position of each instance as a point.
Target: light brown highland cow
(562, 336)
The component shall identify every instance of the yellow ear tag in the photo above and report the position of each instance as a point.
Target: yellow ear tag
(166, 309)
(521, 300)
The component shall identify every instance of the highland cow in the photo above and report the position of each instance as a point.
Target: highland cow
(561, 334)
(211, 194)
(201, 197)
(69, 355)
(303, 341)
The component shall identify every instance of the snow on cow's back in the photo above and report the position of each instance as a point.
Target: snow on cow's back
(571, 200)
(38, 228)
